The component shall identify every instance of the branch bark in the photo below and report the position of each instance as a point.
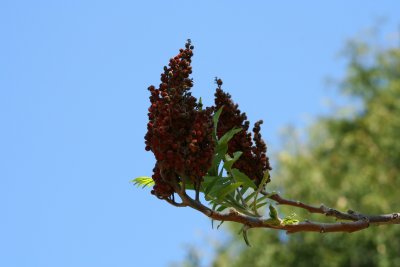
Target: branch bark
(357, 221)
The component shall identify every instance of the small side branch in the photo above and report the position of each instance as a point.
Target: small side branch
(351, 216)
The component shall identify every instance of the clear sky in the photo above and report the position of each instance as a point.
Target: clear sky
(73, 111)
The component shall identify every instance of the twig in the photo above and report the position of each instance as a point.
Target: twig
(312, 209)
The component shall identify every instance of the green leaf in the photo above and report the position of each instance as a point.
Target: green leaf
(227, 190)
(272, 212)
(249, 197)
(290, 219)
(216, 162)
(241, 177)
(143, 181)
(261, 204)
(217, 156)
(200, 104)
(215, 121)
(219, 225)
(261, 199)
(213, 184)
(263, 181)
(260, 188)
(241, 193)
(229, 161)
(228, 136)
(245, 237)
(221, 149)
(235, 204)
(209, 178)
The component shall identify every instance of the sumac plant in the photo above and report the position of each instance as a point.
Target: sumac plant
(212, 152)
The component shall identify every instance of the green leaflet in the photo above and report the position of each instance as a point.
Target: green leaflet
(200, 104)
(220, 194)
(261, 199)
(241, 177)
(221, 149)
(247, 199)
(217, 156)
(227, 137)
(209, 178)
(221, 144)
(215, 121)
(244, 232)
(241, 193)
(228, 162)
(272, 212)
(213, 184)
(261, 204)
(143, 181)
(260, 188)
(290, 221)
(219, 225)
(215, 164)
(235, 204)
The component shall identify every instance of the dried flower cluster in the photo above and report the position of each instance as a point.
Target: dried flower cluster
(254, 161)
(179, 131)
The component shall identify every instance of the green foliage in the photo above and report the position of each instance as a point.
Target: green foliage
(348, 162)
(290, 219)
(143, 181)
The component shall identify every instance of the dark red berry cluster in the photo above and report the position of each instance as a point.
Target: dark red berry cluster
(161, 188)
(179, 132)
(254, 161)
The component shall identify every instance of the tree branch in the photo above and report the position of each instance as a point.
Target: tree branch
(172, 202)
(393, 218)
(358, 221)
(312, 209)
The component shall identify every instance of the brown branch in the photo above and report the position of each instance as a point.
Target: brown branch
(393, 218)
(327, 227)
(357, 221)
(255, 222)
(172, 202)
(351, 216)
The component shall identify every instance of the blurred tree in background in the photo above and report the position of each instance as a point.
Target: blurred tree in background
(348, 161)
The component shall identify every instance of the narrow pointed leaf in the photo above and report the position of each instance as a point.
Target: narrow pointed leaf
(261, 204)
(227, 190)
(249, 197)
(143, 181)
(228, 136)
(245, 237)
(241, 177)
(229, 161)
(220, 224)
(215, 121)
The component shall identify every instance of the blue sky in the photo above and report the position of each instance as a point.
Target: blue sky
(73, 109)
